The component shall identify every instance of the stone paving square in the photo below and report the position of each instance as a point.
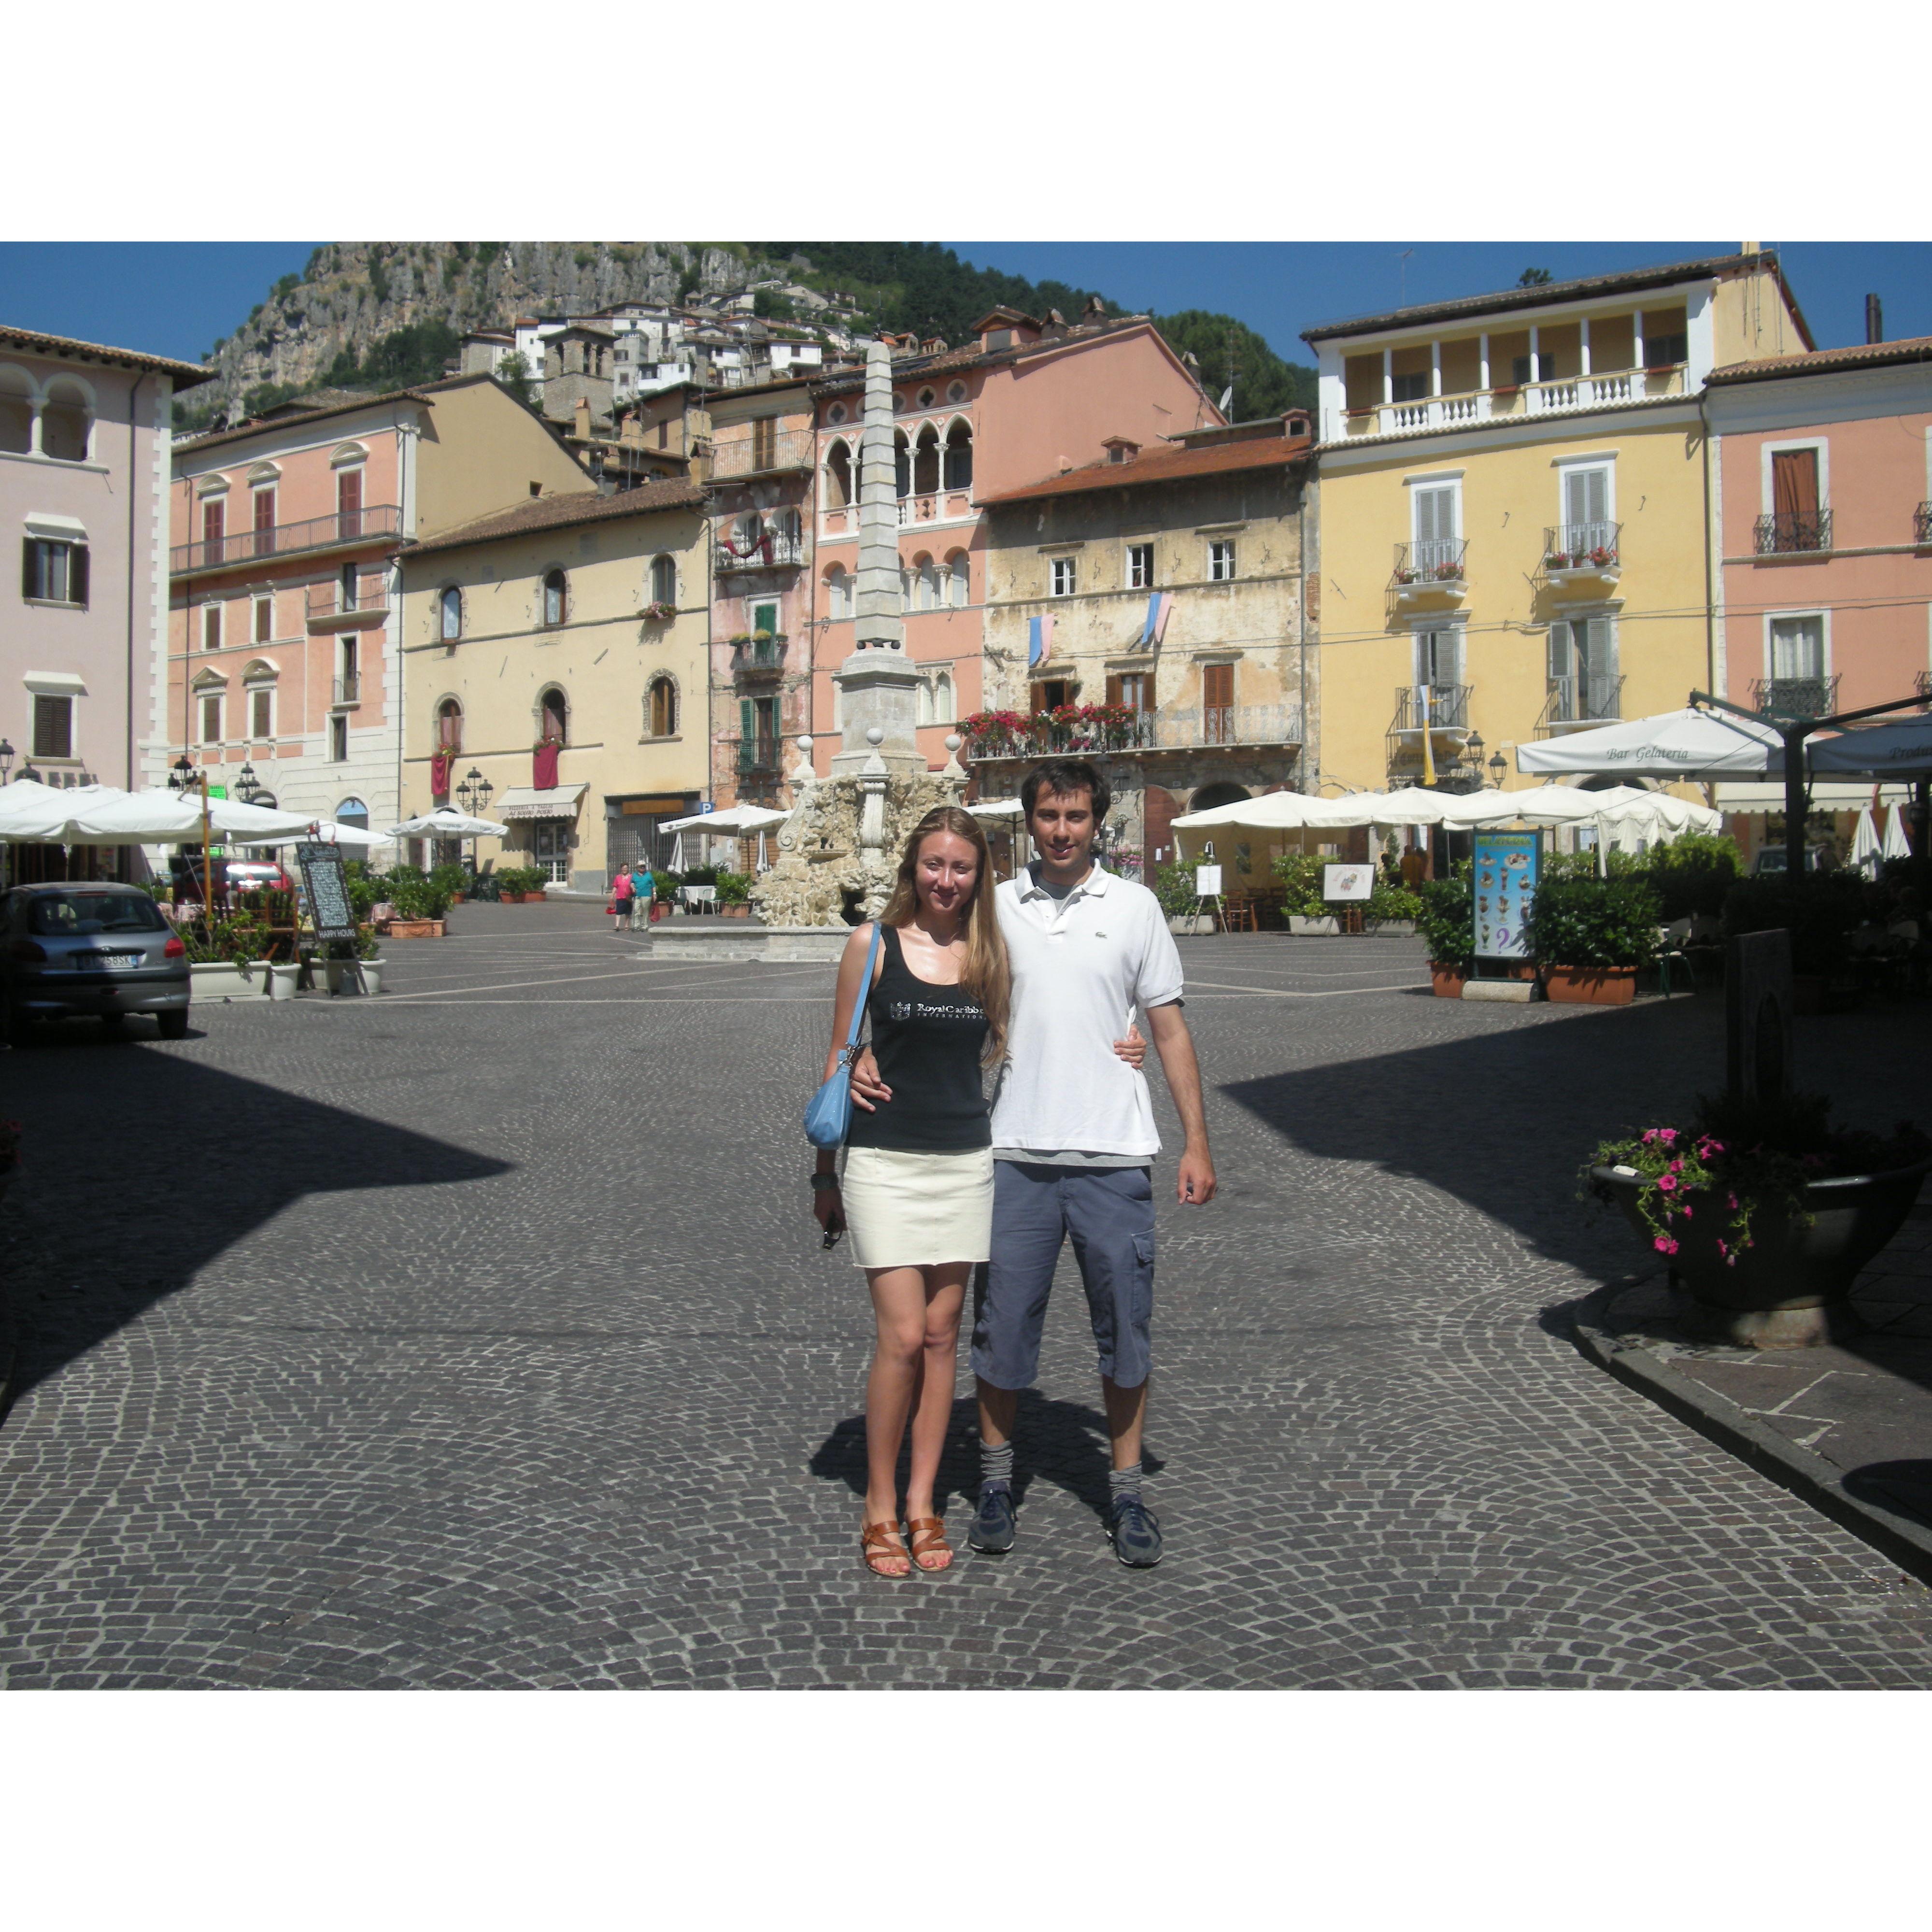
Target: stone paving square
(479, 1335)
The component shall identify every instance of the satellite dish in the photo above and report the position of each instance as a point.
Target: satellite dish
(1227, 396)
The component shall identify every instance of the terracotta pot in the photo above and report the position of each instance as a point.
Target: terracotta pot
(415, 929)
(1590, 985)
(1446, 981)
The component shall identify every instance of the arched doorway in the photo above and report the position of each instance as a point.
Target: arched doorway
(1210, 797)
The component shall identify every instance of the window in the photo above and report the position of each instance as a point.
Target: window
(1799, 520)
(664, 579)
(839, 476)
(1050, 694)
(660, 709)
(1432, 512)
(927, 397)
(956, 392)
(66, 423)
(211, 627)
(1523, 370)
(347, 599)
(926, 704)
(764, 443)
(450, 609)
(926, 463)
(942, 712)
(1409, 389)
(338, 738)
(554, 716)
(958, 579)
(449, 728)
(1140, 566)
(901, 465)
(836, 414)
(352, 811)
(210, 717)
(349, 503)
(1217, 704)
(265, 619)
(1133, 690)
(261, 711)
(837, 593)
(765, 617)
(1063, 576)
(1582, 670)
(1797, 649)
(927, 596)
(1438, 656)
(347, 687)
(53, 572)
(1586, 505)
(214, 524)
(554, 598)
(959, 457)
(1221, 559)
(53, 726)
(265, 521)
(17, 410)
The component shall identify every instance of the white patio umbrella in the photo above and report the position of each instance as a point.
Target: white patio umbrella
(447, 823)
(230, 816)
(1687, 744)
(1866, 845)
(735, 821)
(323, 832)
(32, 811)
(997, 808)
(1900, 748)
(1897, 845)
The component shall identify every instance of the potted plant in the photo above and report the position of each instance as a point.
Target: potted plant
(734, 895)
(1589, 937)
(1446, 918)
(658, 612)
(1765, 1212)
(368, 950)
(223, 954)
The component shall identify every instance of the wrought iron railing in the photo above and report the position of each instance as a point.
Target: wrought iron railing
(759, 654)
(759, 754)
(1433, 560)
(770, 550)
(752, 455)
(1922, 683)
(335, 599)
(1592, 546)
(1448, 707)
(362, 525)
(348, 690)
(1794, 533)
(1921, 524)
(1796, 697)
(1174, 727)
(1592, 699)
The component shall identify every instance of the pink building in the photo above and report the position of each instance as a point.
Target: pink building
(83, 485)
(1822, 511)
(1022, 401)
(286, 613)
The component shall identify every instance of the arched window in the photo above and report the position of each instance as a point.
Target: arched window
(66, 422)
(838, 592)
(958, 579)
(925, 710)
(449, 727)
(352, 811)
(942, 698)
(450, 608)
(555, 597)
(556, 717)
(17, 410)
(926, 597)
(901, 464)
(660, 709)
(959, 457)
(664, 579)
(926, 463)
(839, 476)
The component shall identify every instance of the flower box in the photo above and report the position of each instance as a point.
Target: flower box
(415, 929)
(217, 979)
(1590, 985)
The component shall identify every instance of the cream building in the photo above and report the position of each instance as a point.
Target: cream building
(557, 649)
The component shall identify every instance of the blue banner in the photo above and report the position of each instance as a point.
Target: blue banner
(1504, 876)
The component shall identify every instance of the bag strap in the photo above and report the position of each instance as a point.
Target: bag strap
(865, 992)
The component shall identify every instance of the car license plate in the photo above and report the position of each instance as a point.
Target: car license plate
(120, 962)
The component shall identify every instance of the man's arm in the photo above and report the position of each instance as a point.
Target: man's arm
(1194, 1180)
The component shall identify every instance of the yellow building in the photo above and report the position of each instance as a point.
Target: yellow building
(1513, 513)
(557, 649)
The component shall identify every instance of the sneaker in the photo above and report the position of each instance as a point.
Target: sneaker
(993, 1527)
(1136, 1534)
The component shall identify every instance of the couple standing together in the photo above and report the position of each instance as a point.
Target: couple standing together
(1037, 978)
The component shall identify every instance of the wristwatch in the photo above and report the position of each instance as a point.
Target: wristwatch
(820, 1182)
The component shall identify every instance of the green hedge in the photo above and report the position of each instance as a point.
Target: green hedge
(1594, 922)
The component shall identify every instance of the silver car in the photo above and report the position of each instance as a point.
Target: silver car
(83, 949)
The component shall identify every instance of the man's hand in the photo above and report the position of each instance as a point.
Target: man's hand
(1133, 1049)
(1194, 1179)
(867, 1087)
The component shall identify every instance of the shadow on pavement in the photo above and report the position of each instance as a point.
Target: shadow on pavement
(139, 1169)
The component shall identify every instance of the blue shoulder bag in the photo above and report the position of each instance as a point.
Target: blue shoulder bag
(828, 1113)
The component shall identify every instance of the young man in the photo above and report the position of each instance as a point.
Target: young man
(1074, 1140)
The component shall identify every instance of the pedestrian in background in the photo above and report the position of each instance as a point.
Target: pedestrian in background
(623, 890)
(646, 895)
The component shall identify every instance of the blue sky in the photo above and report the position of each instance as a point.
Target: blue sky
(176, 298)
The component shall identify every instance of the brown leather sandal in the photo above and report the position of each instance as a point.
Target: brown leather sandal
(929, 1539)
(877, 1539)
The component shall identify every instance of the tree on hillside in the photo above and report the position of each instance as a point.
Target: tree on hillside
(1533, 278)
(1264, 385)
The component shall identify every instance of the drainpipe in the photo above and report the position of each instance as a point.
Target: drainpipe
(134, 472)
(1713, 556)
(1301, 617)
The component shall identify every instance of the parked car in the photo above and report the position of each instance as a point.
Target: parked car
(1772, 858)
(241, 875)
(80, 950)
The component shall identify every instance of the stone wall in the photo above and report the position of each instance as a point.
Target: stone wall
(820, 858)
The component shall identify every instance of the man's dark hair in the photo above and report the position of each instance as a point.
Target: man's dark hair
(1066, 778)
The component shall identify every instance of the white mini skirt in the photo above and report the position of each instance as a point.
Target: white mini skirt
(918, 1209)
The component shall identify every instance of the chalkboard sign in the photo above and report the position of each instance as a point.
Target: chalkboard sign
(326, 889)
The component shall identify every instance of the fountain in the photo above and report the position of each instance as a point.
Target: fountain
(839, 852)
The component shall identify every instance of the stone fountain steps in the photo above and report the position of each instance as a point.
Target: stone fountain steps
(744, 939)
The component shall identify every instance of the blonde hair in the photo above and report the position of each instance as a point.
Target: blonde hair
(984, 974)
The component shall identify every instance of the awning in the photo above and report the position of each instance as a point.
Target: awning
(1838, 795)
(533, 802)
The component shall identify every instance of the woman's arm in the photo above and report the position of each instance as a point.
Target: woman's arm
(825, 1204)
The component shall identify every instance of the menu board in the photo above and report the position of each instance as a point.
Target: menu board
(1208, 882)
(1507, 867)
(1342, 884)
(326, 888)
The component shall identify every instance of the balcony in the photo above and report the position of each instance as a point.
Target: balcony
(759, 755)
(1582, 554)
(372, 524)
(753, 657)
(1430, 571)
(348, 692)
(1448, 726)
(1172, 728)
(841, 521)
(335, 606)
(761, 455)
(1615, 389)
(1577, 703)
(1793, 535)
(1795, 697)
(1921, 524)
(775, 549)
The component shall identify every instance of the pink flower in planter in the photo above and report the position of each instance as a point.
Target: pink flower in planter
(1683, 1208)
(1667, 1135)
(1666, 1182)
(1664, 1245)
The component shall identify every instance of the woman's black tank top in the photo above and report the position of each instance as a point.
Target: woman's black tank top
(927, 1039)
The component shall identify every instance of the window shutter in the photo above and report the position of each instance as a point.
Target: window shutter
(1558, 661)
(1217, 686)
(1114, 690)
(29, 573)
(76, 574)
(1435, 515)
(747, 721)
(1602, 648)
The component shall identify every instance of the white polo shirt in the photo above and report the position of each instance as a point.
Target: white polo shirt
(1080, 967)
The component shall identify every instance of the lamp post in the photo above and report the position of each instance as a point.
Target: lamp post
(474, 793)
(247, 787)
(182, 779)
(1498, 769)
(6, 760)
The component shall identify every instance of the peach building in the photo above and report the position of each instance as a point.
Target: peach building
(1821, 523)
(83, 487)
(1022, 401)
(286, 608)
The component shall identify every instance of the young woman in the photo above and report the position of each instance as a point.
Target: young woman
(917, 1190)
(622, 890)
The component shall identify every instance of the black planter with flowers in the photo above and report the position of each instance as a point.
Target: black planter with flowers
(1766, 1215)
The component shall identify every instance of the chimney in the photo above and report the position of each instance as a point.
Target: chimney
(1874, 319)
(583, 417)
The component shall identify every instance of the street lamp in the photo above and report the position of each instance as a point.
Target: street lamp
(182, 779)
(6, 760)
(247, 787)
(1498, 769)
(474, 793)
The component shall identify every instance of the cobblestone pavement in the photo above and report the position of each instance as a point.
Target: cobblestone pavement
(477, 1335)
